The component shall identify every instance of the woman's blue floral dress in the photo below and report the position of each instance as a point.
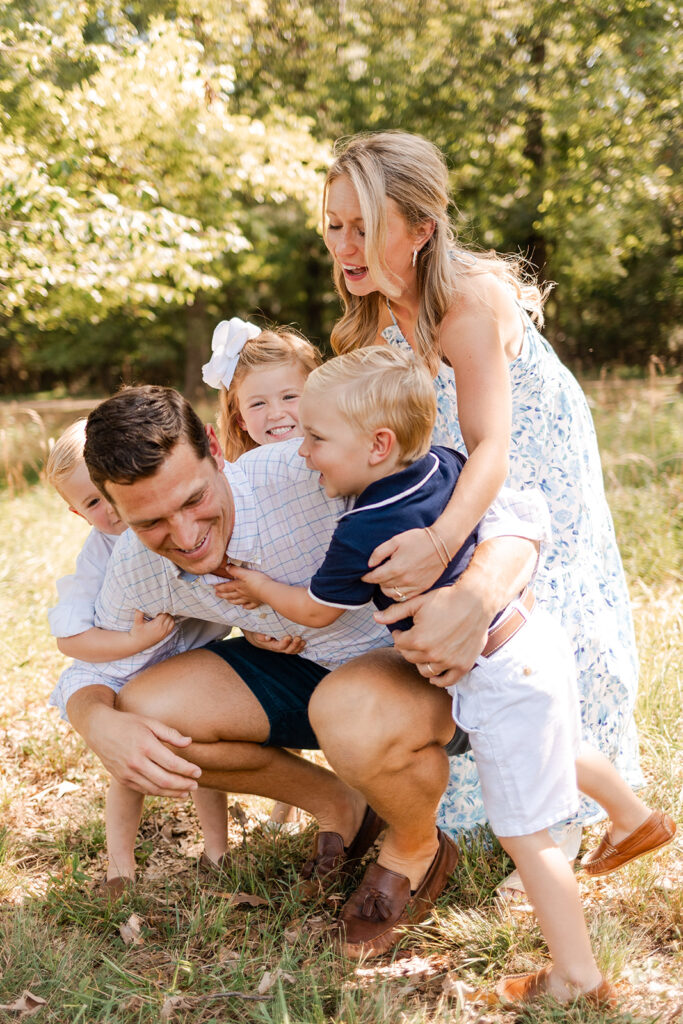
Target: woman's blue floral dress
(582, 580)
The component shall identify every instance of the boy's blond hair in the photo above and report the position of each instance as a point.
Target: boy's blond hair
(378, 387)
(65, 454)
(269, 348)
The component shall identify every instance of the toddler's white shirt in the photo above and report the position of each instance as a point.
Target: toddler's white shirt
(75, 610)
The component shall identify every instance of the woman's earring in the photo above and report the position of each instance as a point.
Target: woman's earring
(414, 256)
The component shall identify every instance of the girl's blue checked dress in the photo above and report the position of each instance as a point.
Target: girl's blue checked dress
(582, 580)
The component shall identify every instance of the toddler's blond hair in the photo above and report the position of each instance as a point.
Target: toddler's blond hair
(65, 454)
(378, 387)
(268, 348)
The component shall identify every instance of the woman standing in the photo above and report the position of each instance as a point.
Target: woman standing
(504, 398)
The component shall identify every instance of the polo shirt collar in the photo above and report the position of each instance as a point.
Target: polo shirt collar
(397, 486)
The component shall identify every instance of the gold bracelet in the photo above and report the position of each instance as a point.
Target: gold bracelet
(438, 545)
(443, 544)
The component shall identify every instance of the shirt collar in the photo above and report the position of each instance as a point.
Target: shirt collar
(398, 485)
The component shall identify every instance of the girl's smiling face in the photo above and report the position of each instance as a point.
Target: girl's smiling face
(268, 402)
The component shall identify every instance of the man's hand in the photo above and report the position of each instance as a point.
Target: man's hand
(448, 634)
(285, 645)
(451, 624)
(132, 749)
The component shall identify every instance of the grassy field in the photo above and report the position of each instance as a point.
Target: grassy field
(187, 949)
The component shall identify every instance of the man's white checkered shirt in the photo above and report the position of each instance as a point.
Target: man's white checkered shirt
(283, 526)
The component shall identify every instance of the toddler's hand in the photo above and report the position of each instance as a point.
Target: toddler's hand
(148, 632)
(283, 645)
(242, 588)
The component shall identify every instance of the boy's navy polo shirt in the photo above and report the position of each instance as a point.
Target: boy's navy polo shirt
(411, 499)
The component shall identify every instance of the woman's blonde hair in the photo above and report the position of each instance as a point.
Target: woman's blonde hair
(269, 348)
(377, 387)
(65, 454)
(412, 172)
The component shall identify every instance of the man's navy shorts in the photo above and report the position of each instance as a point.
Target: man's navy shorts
(283, 684)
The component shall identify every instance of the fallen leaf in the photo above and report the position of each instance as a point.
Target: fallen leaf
(243, 899)
(416, 967)
(271, 978)
(266, 982)
(304, 928)
(134, 1004)
(131, 931)
(167, 831)
(66, 787)
(521, 908)
(173, 1003)
(455, 988)
(26, 1005)
(227, 955)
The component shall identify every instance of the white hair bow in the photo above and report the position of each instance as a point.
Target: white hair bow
(228, 340)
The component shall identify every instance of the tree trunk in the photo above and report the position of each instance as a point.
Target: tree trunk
(534, 150)
(197, 346)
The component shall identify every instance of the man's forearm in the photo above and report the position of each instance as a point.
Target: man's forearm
(82, 707)
(450, 625)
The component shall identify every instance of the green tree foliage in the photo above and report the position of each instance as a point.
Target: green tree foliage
(559, 120)
(162, 164)
(127, 175)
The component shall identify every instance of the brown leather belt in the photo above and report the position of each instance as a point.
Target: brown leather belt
(511, 624)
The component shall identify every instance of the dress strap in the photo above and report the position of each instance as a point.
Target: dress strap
(391, 313)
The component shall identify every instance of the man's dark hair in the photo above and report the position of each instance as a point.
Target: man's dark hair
(128, 436)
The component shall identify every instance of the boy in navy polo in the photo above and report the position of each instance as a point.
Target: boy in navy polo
(367, 418)
(400, 481)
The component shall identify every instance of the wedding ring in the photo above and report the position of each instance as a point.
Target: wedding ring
(400, 596)
(428, 666)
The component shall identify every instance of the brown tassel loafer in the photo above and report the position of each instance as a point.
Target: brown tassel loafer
(331, 859)
(373, 919)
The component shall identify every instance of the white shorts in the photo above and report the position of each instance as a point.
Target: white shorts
(520, 707)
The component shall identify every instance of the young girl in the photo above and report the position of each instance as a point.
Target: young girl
(72, 623)
(260, 376)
